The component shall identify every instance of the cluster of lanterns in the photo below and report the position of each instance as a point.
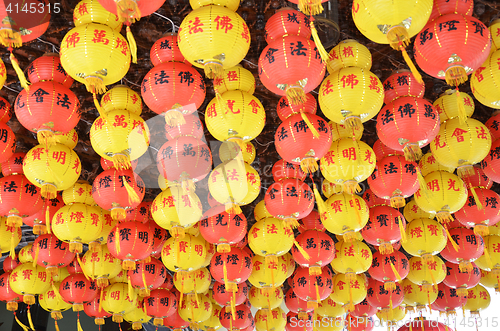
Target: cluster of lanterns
(104, 251)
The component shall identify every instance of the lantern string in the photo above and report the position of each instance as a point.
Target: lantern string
(56, 325)
(24, 327)
(168, 19)
(30, 320)
(78, 325)
(55, 49)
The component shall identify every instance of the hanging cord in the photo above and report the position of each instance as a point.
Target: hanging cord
(168, 19)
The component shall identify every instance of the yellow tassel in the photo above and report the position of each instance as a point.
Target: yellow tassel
(99, 109)
(301, 250)
(351, 303)
(295, 94)
(213, 69)
(19, 72)
(325, 57)
(95, 84)
(476, 198)
(412, 152)
(462, 114)
(174, 117)
(386, 248)
(423, 184)
(309, 165)
(81, 266)
(24, 327)
(319, 201)
(232, 208)
(37, 252)
(395, 271)
(309, 124)
(121, 161)
(487, 257)
(132, 44)
(318, 297)
(224, 269)
(402, 229)
(30, 320)
(47, 219)
(10, 38)
(481, 230)
(222, 104)
(117, 240)
(132, 194)
(78, 325)
(128, 11)
(310, 7)
(146, 291)
(450, 238)
(131, 292)
(433, 277)
(397, 201)
(101, 297)
(56, 325)
(410, 64)
(456, 75)
(12, 247)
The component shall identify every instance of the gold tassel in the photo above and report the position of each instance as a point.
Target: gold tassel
(232, 208)
(145, 292)
(456, 75)
(354, 122)
(174, 116)
(132, 44)
(481, 230)
(132, 194)
(101, 296)
(422, 184)
(410, 64)
(412, 152)
(12, 247)
(351, 187)
(224, 269)
(397, 201)
(309, 165)
(351, 303)
(37, 252)
(94, 84)
(78, 325)
(47, 219)
(488, 259)
(99, 109)
(295, 94)
(450, 238)
(30, 320)
(213, 69)
(476, 198)
(465, 171)
(465, 266)
(24, 327)
(325, 57)
(395, 271)
(402, 229)
(128, 11)
(10, 38)
(386, 248)
(462, 114)
(310, 7)
(301, 250)
(319, 201)
(19, 72)
(309, 124)
(56, 325)
(117, 240)
(131, 292)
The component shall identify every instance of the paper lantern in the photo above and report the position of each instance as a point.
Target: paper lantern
(53, 303)
(262, 299)
(91, 308)
(7, 295)
(478, 299)
(121, 97)
(51, 253)
(416, 296)
(448, 300)
(160, 304)
(268, 275)
(231, 268)
(223, 229)
(225, 297)
(427, 273)
(384, 299)
(483, 81)
(10, 237)
(29, 280)
(166, 49)
(77, 290)
(130, 242)
(349, 53)
(276, 319)
(137, 316)
(461, 280)
(319, 247)
(270, 237)
(448, 107)
(185, 254)
(312, 288)
(345, 215)
(91, 11)
(348, 291)
(101, 266)
(389, 268)
(402, 83)
(470, 248)
(352, 258)
(117, 300)
(195, 311)
(425, 237)
(472, 215)
(383, 228)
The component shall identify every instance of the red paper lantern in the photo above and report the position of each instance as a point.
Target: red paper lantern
(320, 248)
(192, 127)
(493, 124)
(296, 304)
(77, 290)
(444, 7)
(238, 264)
(5, 110)
(394, 178)
(48, 68)
(166, 49)
(491, 163)
(160, 304)
(448, 299)
(312, 288)
(408, 124)
(7, 295)
(285, 109)
(382, 268)
(110, 191)
(451, 47)
(472, 215)
(381, 151)
(148, 276)
(311, 222)
(372, 200)
(141, 213)
(175, 322)
(379, 296)
(130, 242)
(7, 142)
(51, 253)
(284, 170)
(364, 309)
(402, 83)
(243, 318)
(287, 22)
(92, 309)
(462, 280)
(296, 142)
(383, 228)
(226, 298)
(222, 228)
(10, 263)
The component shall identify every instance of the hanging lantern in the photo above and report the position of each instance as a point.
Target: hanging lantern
(101, 266)
(389, 268)
(270, 238)
(472, 215)
(349, 53)
(408, 124)
(148, 276)
(80, 192)
(311, 222)
(426, 237)
(51, 253)
(268, 275)
(443, 7)
(319, 247)
(395, 178)
(293, 325)
(490, 165)
(298, 305)
(7, 142)
(428, 164)
(348, 163)
(470, 247)
(48, 68)
(231, 268)
(345, 215)
(402, 83)
(117, 190)
(448, 300)
(92, 309)
(478, 299)
(372, 200)
(446, 194)
(383, 228)
(286, 109)
(175, 322)
(330, 308)
(130, 242)
(224, 297)
(53, 303)
(379, 296)
(10, 263)
(160, 304)
(29, 280)
(77, 290)
(489, 280)
(166, 49)
(7, 295)
(223, 229)
(10, 237)
(352, 258)
(202, 27)
(468, 143)
(241, 320)
(347, 291)
(275, 319)
(195, 311)
(118, 301)
(185, 254)
(52, 168)
(137, 317)
(77, 224)
(91, 11)
(448, 107)
(263, 300)
(483, 81)
(40, 219)
(461, 280)
(312, 288)
(427, 273)
(418, 297)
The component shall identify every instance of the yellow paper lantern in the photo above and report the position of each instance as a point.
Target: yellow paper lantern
(490, 260)
(330, 308)
(349, 53)
(80, 192)
(236, 78)
(270, 238)
(260, 211)
(77, 223)
(91, 11)
(121, 134)
(392, 316)
(478, 299)
(236, 115)
(195, 311)
(184, 254)
(53, 303)
(448, 107)
(137, 317)
(345, 214)
(428, 164)
(484, 81)
(461, 145)
(213, 322)
(101, 265)
(175, 209)
(231, 4)
(29, 280)
(117, 300)
(347, 291)
(418, 296)
(267, 275)
(10, 237)
(425, 237)
(122, 97)
(95, 55)
(412, 211)
(352, 258)
(351, 96)
(426, 273)
(348, 163)
(192, 282)
(446, 194)
(214, 38)
(68, 139)
(495, 36)
(490, 280)
(25, 254)
(265, 300)
(270, 320)
(52, 168)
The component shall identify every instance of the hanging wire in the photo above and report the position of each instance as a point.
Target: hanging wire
(250, 63)
(168, 19)
(11, 89)
(55, 49)
(125, 79)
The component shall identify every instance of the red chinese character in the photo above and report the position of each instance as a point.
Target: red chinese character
(99, 37)
(134, 98)
(358, 205)
(328, 88)
(245, 34)
(170, 200)
(433, 229)
(481, 134)
(340, 285)
(368, 156)
(196, 27)
(255, 106)
(433, 185)
(256, 265)
(374, 84)
(451, 185)
(59, 219)
(365, 254)
(230, 106)
(478, 74)
(59, 156)
(347, 51)
(121, 43)
(349, 153)
(109, 257)
(37, 152)
(431, 159)
(198, 249)
(432, 265)
(496, 248)
(115, 295)
(417, 265)
(120, 121)
(223, 23)
(95, 219)
(272, 265)
(349, 80)
(354, 284)
(42, 275)
(72, 39)
(416, 232)
(82, 9)
(94, 257)
(408, 289)
(336, 206)
(271, 228)
(483, 295)
(438, 143)
(349, 251)
(182, 246)
(232, 76)
(99, 123)
(255, 232)
(251, 178)
(186, 200)
(467, 101)
(438, 108)
(459, 134)
(76, 216)
(211, 111)
(232, 175)
(167, 249)
(27, 274)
